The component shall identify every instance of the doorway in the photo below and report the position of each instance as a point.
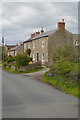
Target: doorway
(37, 56)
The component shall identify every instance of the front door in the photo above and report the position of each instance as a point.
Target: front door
(37, 56)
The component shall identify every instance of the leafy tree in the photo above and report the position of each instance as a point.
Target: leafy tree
(62, 60)
(21, 60)
(68, 53)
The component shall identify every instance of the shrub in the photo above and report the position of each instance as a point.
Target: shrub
(64, 67)
(61, 67)
(21, 60)
(74, 74)
(68, 53)
(9, 59)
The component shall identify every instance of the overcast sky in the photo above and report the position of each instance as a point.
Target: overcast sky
(20, 19)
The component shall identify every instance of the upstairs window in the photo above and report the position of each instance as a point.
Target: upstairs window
(28, 46)
(42, 43)
(77, 43)
(24, 45)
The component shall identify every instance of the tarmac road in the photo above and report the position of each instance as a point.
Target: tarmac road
(25, 97)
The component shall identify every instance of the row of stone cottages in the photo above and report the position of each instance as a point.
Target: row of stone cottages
(42, 45)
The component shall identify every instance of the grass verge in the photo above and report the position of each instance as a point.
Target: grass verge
(62, 84)
(27, 71)
(0, 63)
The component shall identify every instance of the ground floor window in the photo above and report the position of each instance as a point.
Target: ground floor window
(33, 57)
(43, 57)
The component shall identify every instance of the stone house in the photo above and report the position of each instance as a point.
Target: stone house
(8, 47)
(44, 44)
(16, 50)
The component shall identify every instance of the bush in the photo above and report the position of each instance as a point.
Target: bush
(74, 74)
(68, 53)
(64, 67)
(21, 60)
(61, 67)
(9, 59)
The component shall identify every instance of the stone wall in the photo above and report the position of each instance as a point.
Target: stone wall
(30, 67)
(39, 49)
(20, 51)
(36, 47)
(58, 39)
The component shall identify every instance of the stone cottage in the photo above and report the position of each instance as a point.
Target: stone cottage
(43, 44)
(15, 50)
(8, 47)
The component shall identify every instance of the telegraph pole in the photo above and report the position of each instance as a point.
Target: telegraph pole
(2, 49)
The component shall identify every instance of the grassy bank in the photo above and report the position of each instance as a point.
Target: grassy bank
(0, 63)
(62, 84)
(28, 71)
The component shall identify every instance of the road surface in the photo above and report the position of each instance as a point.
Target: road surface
(24, 97)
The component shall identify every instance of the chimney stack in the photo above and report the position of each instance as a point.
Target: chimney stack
(32, 35)
(61, 26)
(37, 33)
(21, 44)
(16, 44)
(42, 30)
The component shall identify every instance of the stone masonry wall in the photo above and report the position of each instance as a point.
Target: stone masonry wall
(58, 39)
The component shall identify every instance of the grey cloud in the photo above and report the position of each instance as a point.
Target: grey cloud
(21, 19)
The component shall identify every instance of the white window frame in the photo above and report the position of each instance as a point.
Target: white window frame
(43, 43)
(25, 47)
(77, 43)
(31, 54)
(33, 57)
(28, 46)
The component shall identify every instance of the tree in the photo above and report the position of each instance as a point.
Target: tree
(68, 53)
(62, 60)
(21, 60)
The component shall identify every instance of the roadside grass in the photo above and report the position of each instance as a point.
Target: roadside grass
(62, 84)
(27, 71)
(0, 63)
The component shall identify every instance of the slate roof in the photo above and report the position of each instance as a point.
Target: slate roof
(16, 48)
(44, 34)
(30, 39)
(10, 45)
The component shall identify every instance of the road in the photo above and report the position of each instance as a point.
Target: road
(24, 97)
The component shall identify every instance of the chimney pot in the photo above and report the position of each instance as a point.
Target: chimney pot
(37, 33)
(42, 30)
(16, 44)
(21, 43)
(33, 35)
(62, 20)
(61, 25)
